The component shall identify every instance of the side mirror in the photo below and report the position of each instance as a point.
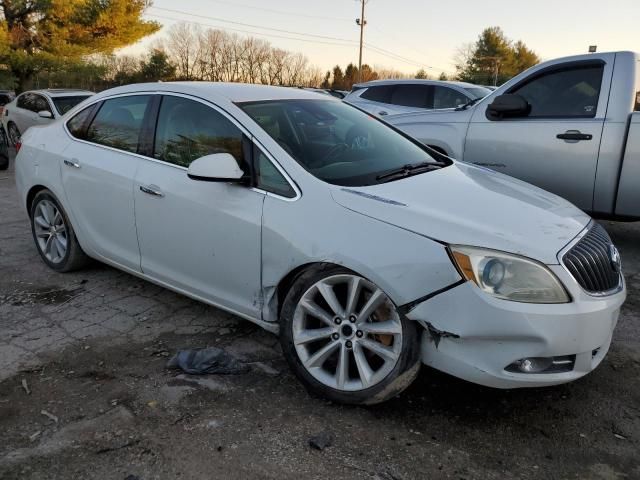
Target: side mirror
(45, 114)
(508, 105)
(218, 167)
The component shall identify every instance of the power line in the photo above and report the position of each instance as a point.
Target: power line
(322, 39)
(410, 47)
(250, 32)
(282, 12)
(222, 20)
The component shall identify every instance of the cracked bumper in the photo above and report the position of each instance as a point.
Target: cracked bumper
(494, 333)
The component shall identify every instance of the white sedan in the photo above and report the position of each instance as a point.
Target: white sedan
(367, 252)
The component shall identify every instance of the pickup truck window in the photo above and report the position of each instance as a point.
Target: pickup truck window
(566, 93)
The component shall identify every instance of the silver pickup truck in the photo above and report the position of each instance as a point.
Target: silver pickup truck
(570, 126)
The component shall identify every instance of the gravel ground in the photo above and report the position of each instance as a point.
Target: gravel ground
(84, 393)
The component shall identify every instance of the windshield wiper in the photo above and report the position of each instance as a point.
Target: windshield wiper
(470, 103)
(410, 169)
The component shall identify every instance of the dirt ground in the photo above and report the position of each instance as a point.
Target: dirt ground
(84, 393)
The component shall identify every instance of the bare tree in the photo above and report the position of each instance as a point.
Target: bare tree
(183, 45)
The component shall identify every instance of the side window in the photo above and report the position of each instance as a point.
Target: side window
(637, 109)
(118, 122)
(565, 93)
(445, 97)
(269, 177)
(40, 104)
(26, 101)
(188, 130)
(380, 93)
(4, 99)
(411, 96)
(78, 122)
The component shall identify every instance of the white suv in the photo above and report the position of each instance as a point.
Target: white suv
(38, 107)
(389, 97)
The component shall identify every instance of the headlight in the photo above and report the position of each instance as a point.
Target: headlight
(509, 277)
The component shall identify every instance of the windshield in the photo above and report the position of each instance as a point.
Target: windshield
(64, 104)
(334, 141)
(478, 92)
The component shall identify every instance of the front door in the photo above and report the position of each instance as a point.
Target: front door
(98, 171)
(556, 145)
(200, 237)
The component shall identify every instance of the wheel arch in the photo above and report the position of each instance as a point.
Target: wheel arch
(31, 195)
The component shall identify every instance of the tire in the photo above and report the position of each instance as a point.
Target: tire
(366, 332)
(4, 150)
(53, 234)
(13, 134)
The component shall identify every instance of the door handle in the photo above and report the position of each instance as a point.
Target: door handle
(383, 113)
(151, 190)
(71, 163)
(574, 135)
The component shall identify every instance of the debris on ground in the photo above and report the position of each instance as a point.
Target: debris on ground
(25, 386)
(207, 360)
(321, 441)
(49, 415)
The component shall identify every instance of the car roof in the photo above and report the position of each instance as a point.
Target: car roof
(221, 92)
(414, 81)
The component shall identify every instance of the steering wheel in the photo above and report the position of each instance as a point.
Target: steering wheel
(335, 151)
(357, 138)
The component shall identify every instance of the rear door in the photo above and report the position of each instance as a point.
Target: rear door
(556, 145)
(98, 171)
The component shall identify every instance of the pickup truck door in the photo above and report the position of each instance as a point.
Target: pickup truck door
(556, 145)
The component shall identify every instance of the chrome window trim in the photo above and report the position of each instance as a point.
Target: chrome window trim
(221, 111)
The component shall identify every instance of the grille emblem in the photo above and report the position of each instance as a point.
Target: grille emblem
(614, 257)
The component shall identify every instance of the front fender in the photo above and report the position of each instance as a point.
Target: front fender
(404, 264)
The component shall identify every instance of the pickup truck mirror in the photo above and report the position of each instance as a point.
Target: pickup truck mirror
(508, 105)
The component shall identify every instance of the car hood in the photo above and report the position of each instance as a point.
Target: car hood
(467, 205)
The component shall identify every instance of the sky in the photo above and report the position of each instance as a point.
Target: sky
(407, 35)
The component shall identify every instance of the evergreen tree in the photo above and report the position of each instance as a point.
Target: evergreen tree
(38, 34)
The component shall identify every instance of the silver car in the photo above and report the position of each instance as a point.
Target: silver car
(391, 97)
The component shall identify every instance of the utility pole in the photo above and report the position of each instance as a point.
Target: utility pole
(361, 22)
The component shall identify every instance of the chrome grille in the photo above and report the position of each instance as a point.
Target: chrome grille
(591, 261)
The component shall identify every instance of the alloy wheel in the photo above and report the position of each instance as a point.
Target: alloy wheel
(347, 333)
(51, 231)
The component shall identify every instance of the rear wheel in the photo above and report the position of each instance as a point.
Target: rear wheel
(344, 339)
(54, 236)
(14, 133)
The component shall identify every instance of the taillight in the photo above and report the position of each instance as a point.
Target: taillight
(18, 145)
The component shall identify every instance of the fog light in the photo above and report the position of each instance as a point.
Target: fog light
(560, 364)
(534, 365)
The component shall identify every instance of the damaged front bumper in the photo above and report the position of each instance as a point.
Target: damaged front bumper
(483, 339)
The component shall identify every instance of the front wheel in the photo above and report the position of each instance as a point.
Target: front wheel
(344, 339)
(54, 236)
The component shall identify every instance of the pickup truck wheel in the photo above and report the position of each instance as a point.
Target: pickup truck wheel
(344, 339)
(54, 236)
